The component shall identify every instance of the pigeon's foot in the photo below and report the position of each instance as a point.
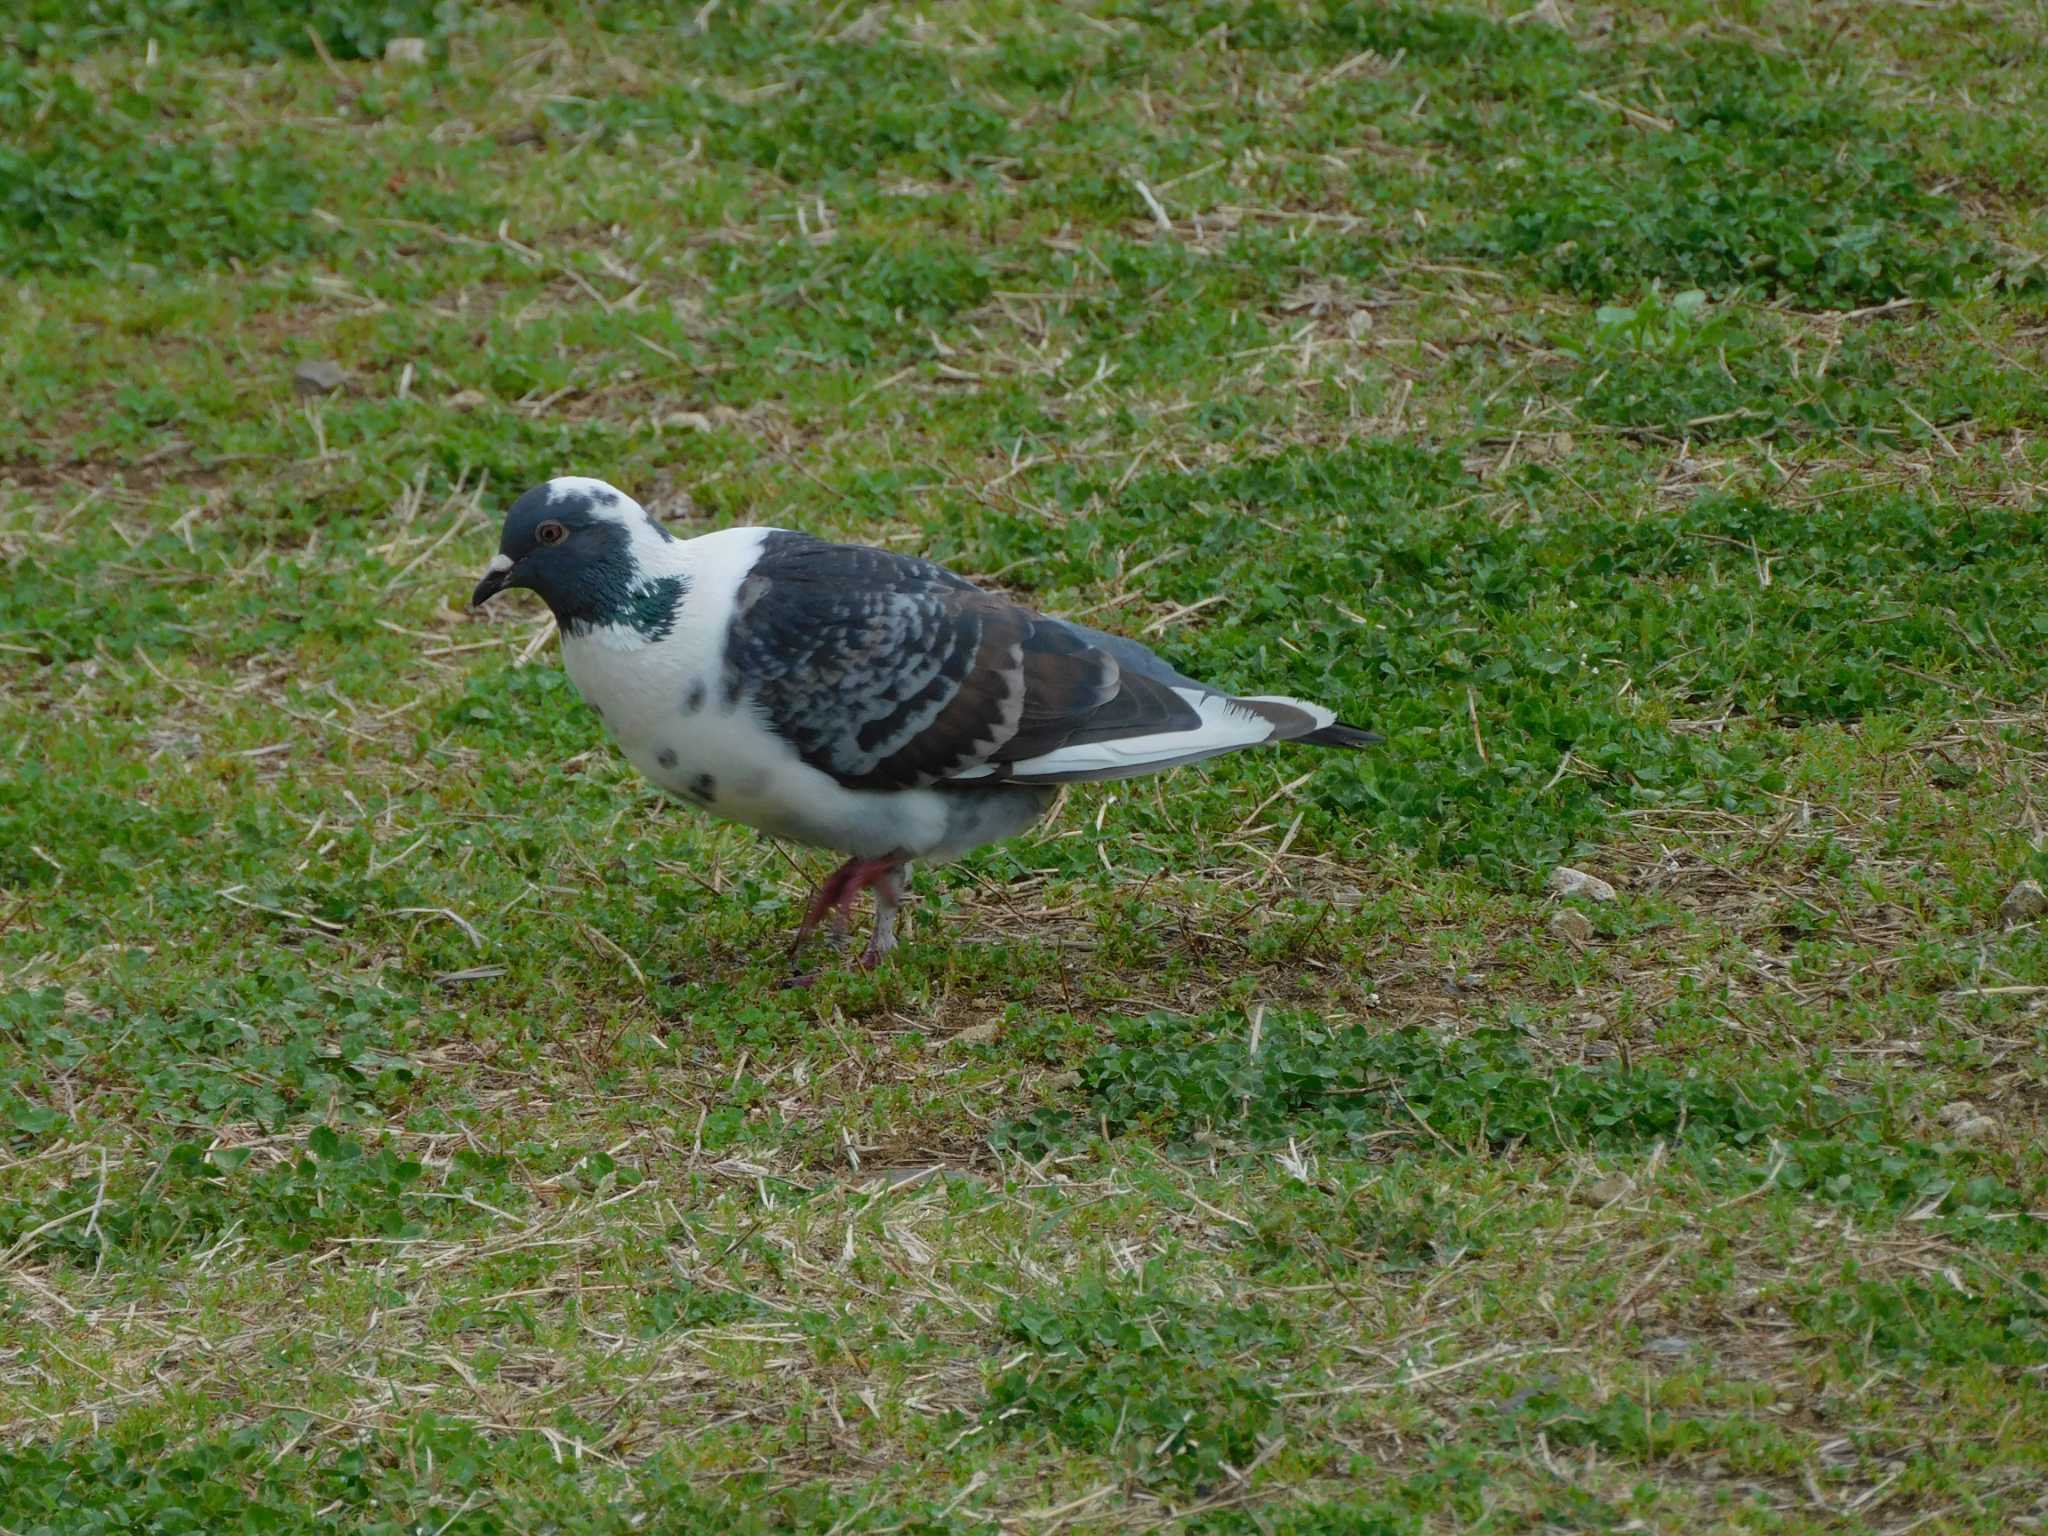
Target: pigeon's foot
(889, 891)
(836, 896)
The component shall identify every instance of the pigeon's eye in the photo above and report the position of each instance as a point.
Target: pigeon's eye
(551, 533)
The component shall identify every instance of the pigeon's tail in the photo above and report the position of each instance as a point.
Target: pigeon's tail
(1338, 734)
(1311, 724)
(1215, 723)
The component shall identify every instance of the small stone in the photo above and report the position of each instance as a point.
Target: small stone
(1570, 923)
(687, 421)
(170, 739)
(1567, 881)
(406, 50)
(2023, 903)
(1601, 1050)
(1670, 1346)
(1605, 1191)
(323, 376)
(1544, 13)
(974, 1034)
(1316, 298)
(1965, 1121)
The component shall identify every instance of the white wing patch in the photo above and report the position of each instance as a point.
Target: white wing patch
(1224, 728)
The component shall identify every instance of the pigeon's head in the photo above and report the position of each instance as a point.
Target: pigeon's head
(584, 546)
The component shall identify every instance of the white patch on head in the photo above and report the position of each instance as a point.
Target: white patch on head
(603, 500)
(609, 504)
(500, 563)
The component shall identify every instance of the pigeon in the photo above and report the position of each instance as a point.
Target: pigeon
(851, 698)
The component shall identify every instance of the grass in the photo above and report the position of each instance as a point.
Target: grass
(1636, 416)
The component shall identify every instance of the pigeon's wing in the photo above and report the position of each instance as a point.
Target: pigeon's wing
(888, 672)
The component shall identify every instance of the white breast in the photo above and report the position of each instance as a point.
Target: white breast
(667, 704)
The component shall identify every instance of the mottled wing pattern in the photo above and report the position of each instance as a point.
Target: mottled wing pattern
(889, 672)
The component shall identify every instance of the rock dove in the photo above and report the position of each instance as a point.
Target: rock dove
(851, 698)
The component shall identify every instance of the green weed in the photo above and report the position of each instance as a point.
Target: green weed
(1919, 1324)
(1755, 183)
(1394, 1224)
(1540, 620)
(271, 1049)
(1136, 1371)
(261, 29)
(1173, 1080)
(336, 1187)
(1625, 1426)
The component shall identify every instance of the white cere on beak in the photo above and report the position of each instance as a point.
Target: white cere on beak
(500, 563)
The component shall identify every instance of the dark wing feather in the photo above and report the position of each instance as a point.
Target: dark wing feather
(1133, 657)
(892, 673)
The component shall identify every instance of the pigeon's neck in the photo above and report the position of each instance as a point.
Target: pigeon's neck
(630, 596)
(643, 614)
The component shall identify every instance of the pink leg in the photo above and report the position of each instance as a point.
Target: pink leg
(837, 894)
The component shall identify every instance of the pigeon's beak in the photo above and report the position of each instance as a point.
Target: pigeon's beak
(493, 583)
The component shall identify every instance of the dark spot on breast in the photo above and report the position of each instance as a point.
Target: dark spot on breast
(694, 699)
(703, 789)
(666, 757)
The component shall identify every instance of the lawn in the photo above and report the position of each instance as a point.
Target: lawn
(1639, 413)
